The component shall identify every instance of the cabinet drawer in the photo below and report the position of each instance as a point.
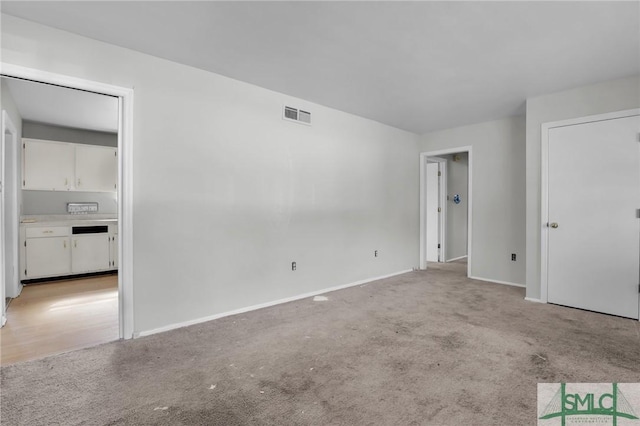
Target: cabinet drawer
(50, 231)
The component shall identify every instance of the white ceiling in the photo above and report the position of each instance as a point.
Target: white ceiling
(419, 66)
(61, 106)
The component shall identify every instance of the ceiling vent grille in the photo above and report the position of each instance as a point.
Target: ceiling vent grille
(297, 115)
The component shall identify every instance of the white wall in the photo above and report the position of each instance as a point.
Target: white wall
(457, 182)
(34, 130)
(498, 194)
(11, 188)
(7, 102)
(55, 202)
(610, 96)
(227, 194)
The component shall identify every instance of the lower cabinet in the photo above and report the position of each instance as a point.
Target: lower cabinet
(47, 257)
(58, 251)
(90, 253)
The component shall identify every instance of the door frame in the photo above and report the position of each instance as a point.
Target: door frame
(125, 175)
(423, 199)
(442, 201)
(544, 185)
(8, 126)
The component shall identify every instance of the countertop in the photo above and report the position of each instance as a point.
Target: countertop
(68, 220)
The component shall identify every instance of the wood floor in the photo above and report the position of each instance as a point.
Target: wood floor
(61, 316)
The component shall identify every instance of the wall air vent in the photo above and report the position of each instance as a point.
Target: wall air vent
(297, 115)
(304, 116)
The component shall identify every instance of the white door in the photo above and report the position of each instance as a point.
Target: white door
(48, 165)
(96, 168)
(90, 253)
(594, 233)
(433, 196)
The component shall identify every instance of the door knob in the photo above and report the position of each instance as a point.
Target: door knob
(554, 225)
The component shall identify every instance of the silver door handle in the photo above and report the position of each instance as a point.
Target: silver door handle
(554, 225)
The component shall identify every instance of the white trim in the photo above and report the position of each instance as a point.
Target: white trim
(456, 258)
(442, 219)
(423, 213)
(125, 176)
(531, 299)
(125, 214)
(499, 282)
(265, 305)
(8, 126)
(3, 176)
(423, 162)
(544, 184)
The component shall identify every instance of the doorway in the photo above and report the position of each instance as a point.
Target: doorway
(591, 232)
(68, 151)
(445, 218)
(121, 249)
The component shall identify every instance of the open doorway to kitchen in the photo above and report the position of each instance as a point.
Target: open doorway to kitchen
(445, 209)
(69, 288)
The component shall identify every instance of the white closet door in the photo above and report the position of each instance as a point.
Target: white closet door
(48, 165)
(594, 197)
(433, 196)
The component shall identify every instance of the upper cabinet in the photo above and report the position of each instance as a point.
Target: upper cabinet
(48, 165)
(96, 168)
(62, 166)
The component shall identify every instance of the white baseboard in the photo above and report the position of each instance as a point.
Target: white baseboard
(263, 305)
(498, 282)
(531, 299)
(456, 258)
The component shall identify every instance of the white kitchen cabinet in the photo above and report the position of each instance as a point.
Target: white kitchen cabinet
(96, 168)
(67, 249)
(48, 165)
(63, 166)
(90, 253)
(47, 253)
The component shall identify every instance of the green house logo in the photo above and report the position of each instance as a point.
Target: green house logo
(610, 403)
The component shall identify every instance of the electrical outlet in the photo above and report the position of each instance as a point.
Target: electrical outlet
(375, 253)
(513, 257)
(293, 266)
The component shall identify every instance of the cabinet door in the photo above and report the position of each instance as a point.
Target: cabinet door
(90, 253)
(114, 251)
(96, 168)
(47, 257)
(48, 165)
